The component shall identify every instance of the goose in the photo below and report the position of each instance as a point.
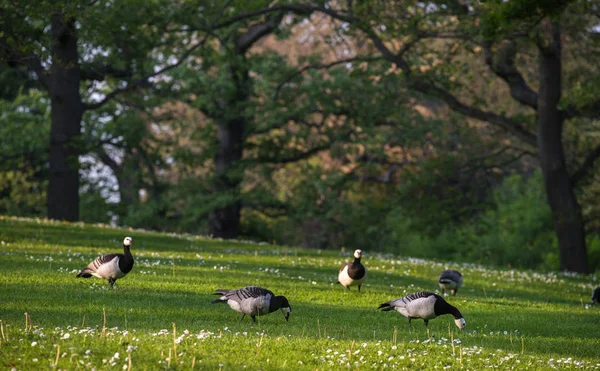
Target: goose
(424, 305)
(596, 295)
(353, 274)
(450, 280)
(111, 266)
(254, 301)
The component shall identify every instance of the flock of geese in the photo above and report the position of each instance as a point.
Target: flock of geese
(257, 301)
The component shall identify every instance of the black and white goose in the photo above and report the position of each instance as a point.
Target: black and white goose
(353, 274)
(424, 305)
(450, 280)
(596, 295)
(254, 301)
(111, 266)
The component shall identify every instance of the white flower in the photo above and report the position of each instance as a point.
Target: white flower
(66, 336)
(34, 343)
(116, 356)
(35, 360)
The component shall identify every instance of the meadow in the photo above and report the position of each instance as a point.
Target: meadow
(160, 316)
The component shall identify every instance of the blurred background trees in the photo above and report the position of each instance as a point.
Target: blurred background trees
(447, 129)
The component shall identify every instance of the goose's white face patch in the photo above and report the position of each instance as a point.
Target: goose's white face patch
(358, 254)
(286, 312)
(460, 323)
(127, 241)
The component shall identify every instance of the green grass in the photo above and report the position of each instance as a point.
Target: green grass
(161, 316)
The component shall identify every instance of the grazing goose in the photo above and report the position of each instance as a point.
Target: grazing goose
(424, 305)
(111, 266)
(596, 295)
(450, 280)
(253, 301)
(352, 274)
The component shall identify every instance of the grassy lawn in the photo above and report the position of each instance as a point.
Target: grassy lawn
(160, 316)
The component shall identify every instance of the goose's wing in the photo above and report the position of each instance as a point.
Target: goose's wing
(344, 266)
(450, 276)
(248, 292)
(101, 260)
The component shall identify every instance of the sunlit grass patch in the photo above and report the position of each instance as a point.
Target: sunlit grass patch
(161, 317)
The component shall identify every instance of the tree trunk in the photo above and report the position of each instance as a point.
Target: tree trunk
(566, 212)
(67, 111)
(224, 221)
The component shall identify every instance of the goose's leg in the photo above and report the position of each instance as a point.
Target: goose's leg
(112, 282)
(243, 315)
(253, 318)
(359, 288)
(426, 322)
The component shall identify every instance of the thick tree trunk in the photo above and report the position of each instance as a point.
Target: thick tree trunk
(224, 221)
(566, 212)
(67, 111)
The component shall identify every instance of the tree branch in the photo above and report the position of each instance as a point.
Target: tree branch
(499, 120)
(504, 122)
(102, 72)
(587, 164)
(504, 67)
(144, 80)
(257, 31)
(295, 157)
(322, 66)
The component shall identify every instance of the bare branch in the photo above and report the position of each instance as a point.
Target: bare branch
(257, 31)
(503, 65)
(102, 72)
(504, 122)
(107, 160)
(585, 167)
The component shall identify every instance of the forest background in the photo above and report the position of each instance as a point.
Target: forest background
(450, 129)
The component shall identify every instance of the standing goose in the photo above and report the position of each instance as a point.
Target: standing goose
(424, 305)
(111, 266)
(596, 295)
(450, 280)
(253, 301)
(352, 274)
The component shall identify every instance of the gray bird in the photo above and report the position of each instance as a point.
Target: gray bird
(596, 295)
(425, 306)
(254, 301)
(450, 280)
(111, 266)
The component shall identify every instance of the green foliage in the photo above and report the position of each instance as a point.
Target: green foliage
(442, 194)
(516, 231)
(503, 18)
(160, 316)
(24, 139)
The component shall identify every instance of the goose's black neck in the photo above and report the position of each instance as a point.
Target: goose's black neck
(277, 303)
(126, 262)
(356, 260)
(442, 307)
